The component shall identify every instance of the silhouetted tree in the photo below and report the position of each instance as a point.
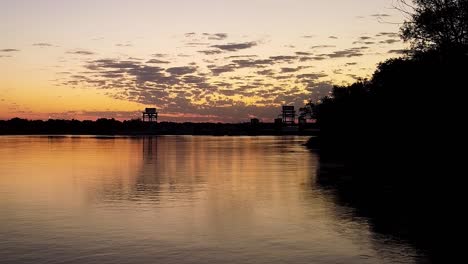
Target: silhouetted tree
(436, 24)
(308, 111)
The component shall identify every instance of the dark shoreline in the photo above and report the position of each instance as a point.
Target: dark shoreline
(103, 126)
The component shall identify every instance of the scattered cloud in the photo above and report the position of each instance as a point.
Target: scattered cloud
(81, 52)
(216, 36)
(177, 71)
(283, 58)
(387, 34)
(196, 44)
(354, 76)
(217, 70)
(322, 46)
(156, 61)
(389, 41)
(267, 72)
(380, 15)
(124, 45)
(42, 44)
(347, 53)
(303, 53)
(253, 63)
(235, 46)
(398, 51)
(311, 76)
(295, 69)
(210, 52)
(9, 50)
(241, 56)
(159, 55)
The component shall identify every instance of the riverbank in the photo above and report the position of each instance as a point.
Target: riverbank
(18, 126)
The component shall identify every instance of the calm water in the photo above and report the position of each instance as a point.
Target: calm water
(176, 200)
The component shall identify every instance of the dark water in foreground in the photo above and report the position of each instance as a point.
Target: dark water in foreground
(177, 200)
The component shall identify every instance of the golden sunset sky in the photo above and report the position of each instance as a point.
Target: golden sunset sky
(195, 60)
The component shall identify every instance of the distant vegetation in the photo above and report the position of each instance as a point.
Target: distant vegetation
(103, 126)
(410, 102)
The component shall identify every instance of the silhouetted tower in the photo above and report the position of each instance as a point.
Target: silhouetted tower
(289, 115)
(150, 115)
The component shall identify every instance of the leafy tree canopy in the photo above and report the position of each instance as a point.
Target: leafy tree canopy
(435, 24)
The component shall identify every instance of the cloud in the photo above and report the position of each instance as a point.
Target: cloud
(194, 79)
(81, 52)
(317, 58)
(289, 69)
(398, 51)
(251, 63)
(241, 56)
(210, 52)
(308, 36)
(267, 72)
(217, 70)
(42, 44)
(322, 46)
(283, 58)
(156, 61)
(196, 44)
(303, 53)
(235, 46)
(177, 71)
(216, 91)
(347, 53)
(333, 37)
(320, 90)
(389, 41)
(354, 76)
(216, 36)
(159, 55)
(387, 34)
(9, 50)
(311, 76)
(124, 45)
(380, 15)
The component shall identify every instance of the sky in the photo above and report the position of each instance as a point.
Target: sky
(194, 60)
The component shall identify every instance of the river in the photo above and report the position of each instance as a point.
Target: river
(177, 199)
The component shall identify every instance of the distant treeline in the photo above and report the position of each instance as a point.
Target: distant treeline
(103, 126)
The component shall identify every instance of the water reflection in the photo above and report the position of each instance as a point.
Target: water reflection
(178, 200)
(394, 216)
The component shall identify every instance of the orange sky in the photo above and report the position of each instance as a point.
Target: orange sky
(200, 60)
